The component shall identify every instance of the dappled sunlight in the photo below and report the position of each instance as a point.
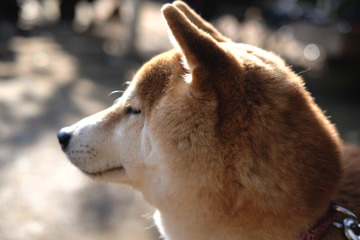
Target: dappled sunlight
(282, 41)
(42, 90)
(42, 57)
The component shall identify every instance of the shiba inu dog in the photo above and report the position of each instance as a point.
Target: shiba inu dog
(222, 138)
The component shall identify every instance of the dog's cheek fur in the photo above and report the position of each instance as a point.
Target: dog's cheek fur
(182, 128)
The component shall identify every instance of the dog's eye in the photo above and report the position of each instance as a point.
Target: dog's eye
(131, 110)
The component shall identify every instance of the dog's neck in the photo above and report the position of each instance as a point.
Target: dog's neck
(188, 224)
(181, 216)
(197, 224)
(211, 206)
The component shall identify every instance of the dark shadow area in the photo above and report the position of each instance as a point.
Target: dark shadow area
(8, 17)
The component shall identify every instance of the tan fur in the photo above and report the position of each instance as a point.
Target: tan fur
(238, 151)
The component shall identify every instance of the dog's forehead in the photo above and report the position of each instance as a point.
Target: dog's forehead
(154, 78)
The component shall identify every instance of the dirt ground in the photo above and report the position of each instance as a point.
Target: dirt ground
(52, 77)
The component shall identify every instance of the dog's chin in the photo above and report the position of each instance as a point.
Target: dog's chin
(116, 174)
(104, 172)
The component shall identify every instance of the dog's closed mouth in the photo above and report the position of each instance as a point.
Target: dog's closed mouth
(103, 172)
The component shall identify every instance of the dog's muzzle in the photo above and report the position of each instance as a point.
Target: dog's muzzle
(64, 137)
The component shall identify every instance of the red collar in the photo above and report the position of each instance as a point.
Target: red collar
(321, 227)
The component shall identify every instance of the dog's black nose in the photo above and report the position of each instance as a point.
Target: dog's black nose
(64, 138)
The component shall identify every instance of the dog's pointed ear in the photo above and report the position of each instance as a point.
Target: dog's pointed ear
(202, 52)
(200, 22)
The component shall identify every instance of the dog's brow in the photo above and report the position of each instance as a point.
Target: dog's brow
(156, 76)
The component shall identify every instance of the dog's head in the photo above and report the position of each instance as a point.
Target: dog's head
(228, 123)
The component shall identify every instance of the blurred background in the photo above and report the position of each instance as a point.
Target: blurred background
(59, 60)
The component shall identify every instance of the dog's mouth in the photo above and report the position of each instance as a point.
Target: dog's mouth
(104, 172)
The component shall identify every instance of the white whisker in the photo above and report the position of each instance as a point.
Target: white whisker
(126, 83)
(114, 92)
(306, 70)
(116, 101)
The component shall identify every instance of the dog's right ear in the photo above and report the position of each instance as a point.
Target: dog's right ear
(203, 54)
(200, 22)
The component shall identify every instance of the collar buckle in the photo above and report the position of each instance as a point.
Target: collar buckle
(350, 225)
